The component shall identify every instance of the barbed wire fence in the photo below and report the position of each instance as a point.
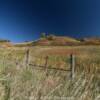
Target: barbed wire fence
(45, 66)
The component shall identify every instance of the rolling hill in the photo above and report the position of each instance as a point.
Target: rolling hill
(91, 40)
(5, 43)
(52, 40)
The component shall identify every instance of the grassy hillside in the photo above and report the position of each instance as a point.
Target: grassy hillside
(57, 40)
(21, 81)
(52, 40)
(24, 44)
(5, 43)
(91, 41)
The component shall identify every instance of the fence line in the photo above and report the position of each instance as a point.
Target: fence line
(42, 67)
(71, 70)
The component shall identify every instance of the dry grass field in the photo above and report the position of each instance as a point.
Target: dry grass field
(20, 80)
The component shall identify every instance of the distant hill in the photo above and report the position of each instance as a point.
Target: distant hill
(91, 41)
(52, 40)
(5, 43)
(56, 41)
(24, 44)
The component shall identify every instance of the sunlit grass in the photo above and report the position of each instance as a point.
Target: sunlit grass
(21, 82)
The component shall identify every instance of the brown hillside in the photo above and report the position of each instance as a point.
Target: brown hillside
(5, 44)
(56, 41)
(93, 41)
(52, 40)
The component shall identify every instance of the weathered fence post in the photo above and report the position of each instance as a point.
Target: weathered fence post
(46, 62)
(27, 57)
(72, 65)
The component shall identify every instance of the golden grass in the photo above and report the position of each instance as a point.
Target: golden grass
(21, 82)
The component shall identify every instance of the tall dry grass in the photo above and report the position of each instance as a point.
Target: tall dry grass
(18, 82)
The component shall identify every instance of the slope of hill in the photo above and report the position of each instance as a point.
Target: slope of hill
(5, 43)
(91, 40)
(56, 41)
(24, 44)
(51, 41)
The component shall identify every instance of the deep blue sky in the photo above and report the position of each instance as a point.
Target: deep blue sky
(22, 20)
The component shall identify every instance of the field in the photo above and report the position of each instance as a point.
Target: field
(22, 76)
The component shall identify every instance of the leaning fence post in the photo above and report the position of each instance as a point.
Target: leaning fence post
(46, 62)
(72, 65)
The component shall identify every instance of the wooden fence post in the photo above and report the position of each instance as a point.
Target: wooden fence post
(27, 57)
(46, 62)
(72, 65)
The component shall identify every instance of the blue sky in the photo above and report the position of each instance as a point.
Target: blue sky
(24, 20)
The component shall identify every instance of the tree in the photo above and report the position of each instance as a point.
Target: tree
(43, 35)
(51, 37)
